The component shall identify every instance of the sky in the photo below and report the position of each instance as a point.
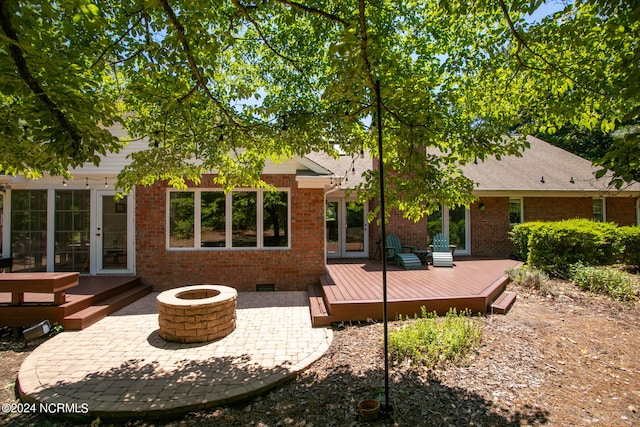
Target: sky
(549, 7)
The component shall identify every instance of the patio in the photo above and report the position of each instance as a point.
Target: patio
(352, 289)
(120, 368)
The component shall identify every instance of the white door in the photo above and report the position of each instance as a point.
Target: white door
(114, 234)
(346, 229)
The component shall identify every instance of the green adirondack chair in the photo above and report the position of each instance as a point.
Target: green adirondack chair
(441, 252)
(395, 252)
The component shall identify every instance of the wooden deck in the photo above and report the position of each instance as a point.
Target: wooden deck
(352, 290)
(94, 298)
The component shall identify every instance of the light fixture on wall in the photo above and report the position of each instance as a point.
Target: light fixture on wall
(542, 180)
(106, 183)
(86, 182)
(572, 180)
(481, 206)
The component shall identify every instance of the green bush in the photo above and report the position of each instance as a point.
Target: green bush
(630, 245)
(520, 238)
(609, 281)
(555, 246)
(434, 341)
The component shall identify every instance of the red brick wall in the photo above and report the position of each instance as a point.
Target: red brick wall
(621, 210)
(490, 228)
(557, 208)
(287, 269)
(409, 232)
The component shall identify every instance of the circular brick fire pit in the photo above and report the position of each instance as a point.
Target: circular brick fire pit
(198, 313)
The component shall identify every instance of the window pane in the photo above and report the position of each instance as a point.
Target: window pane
(181, 219)
(598, 210)
(72, 230)
(114, 233)
(434, 224)
(276, 221)
(515, 211)
(354, 234)
(333, 228)
(244, 219)
(213, 219)
(29, 230)
(458, 228)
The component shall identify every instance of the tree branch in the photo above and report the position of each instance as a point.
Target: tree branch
(30, 80)
(192, 62)
(523, 44)
(115, 43)
(314, 11)
(245, 12)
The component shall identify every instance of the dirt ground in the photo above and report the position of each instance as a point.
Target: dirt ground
(561, 359)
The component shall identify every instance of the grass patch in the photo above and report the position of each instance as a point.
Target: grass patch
(435, 341)
(617, 284)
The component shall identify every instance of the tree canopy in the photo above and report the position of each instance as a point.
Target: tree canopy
(227, 86)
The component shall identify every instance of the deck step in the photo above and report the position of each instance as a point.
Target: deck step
(102, 309)
(319, 314)
(502, 304)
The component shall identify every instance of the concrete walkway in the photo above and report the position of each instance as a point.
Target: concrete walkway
(120, 367)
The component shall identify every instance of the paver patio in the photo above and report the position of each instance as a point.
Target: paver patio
(121, 368)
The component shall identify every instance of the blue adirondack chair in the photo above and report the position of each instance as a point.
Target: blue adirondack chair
(441, 252)
(395, 252)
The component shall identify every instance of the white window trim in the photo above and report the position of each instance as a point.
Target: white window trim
(197, 192)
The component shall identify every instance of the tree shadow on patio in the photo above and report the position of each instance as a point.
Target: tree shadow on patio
(140, 388)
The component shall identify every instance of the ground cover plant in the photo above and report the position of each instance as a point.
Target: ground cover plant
(434, 341)
(615, 283)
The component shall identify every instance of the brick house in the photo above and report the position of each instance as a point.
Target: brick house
(252, 238)
(545, 184)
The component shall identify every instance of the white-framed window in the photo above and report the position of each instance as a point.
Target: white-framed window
(599, 209)
(515, 212)
(209, 219)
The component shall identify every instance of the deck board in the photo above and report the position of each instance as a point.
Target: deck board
(109, 291)
(355, 292)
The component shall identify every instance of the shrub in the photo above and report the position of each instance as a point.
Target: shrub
(630, 245)
(609, 281)
(529, 278)
(520, 238)
(555, 246)
(434, 341)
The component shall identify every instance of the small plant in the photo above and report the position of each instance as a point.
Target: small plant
(56, 329)
(529, 278)
(432, 340)
(617, 284)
